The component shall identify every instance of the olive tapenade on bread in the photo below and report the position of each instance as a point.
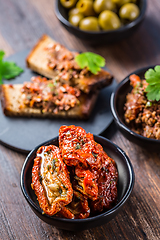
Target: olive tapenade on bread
(46, 98)
(51, 59)
(70, 92)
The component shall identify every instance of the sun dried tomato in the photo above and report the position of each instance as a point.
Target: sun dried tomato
(50, 180)
(77, 209)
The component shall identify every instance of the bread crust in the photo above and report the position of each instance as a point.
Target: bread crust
(12, 105)
(37, 60)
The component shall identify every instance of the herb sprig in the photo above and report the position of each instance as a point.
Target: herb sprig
(8, 70)
(92, 61)
(152, 77)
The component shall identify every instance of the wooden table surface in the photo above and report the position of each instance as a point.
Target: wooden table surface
(22, 23)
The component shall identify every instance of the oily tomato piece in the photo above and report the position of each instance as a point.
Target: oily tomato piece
(85, 182)
(77, 209)
(50, 180)
(71, 141)
(107, 178)
(95, 174)
(78, 149)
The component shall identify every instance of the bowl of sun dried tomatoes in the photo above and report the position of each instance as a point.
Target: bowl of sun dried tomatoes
(77, 180)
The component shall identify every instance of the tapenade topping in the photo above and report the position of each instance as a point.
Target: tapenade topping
(63, 60)
(72, 64)
(49, 95)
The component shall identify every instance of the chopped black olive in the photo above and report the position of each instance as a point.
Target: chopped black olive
(65, 187)
(95, 154)
(107, 171)
(82, 141)
(48, 152)
(40, 177)
(60, 190)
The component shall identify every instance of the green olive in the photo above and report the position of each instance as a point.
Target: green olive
(73, 11)
(109, 20)
(75, 19)
(85, 7)
(101, 5)
(121, 2)
(68, 3)
(129, 11)
(89, 24)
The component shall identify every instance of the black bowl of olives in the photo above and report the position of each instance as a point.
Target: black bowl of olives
(101, 21)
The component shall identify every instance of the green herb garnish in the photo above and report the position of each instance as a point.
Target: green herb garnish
(78, 146)
(48, 167)
(53, 164)
(92, 61)
(152, 77)
(8, 70)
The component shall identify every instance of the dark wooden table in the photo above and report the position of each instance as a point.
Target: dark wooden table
(22, 22)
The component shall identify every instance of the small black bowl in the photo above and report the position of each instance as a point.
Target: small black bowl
(102, 36)
(118, 99)
(125, 186)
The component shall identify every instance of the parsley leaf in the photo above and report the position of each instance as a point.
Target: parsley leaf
(92, 61)
(152, 77)
(8, 70)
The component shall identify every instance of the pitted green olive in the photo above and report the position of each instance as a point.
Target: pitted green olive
(129, 11)
(68, 3)
(75, 19)
(109, 20)
(73, 11)
(85, 7)
(101, 5)
(89, 24)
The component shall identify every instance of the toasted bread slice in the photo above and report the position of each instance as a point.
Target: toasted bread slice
(38, 59)
(12, 105)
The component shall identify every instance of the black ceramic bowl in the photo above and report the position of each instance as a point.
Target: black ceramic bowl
(125, 186)
(102, 36)
(118, 99)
